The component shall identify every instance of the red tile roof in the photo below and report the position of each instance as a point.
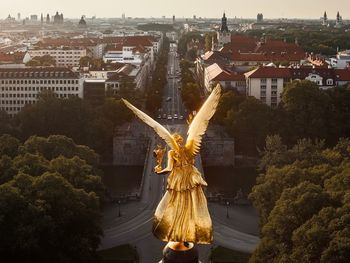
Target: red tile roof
(278, 46)
(16, 57)
(304, 72)
(246, 48)
(342, 74)
(268, 57)
(269, 72)
(217, 73)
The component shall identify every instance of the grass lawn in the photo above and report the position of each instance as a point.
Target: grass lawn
(225, 255)
(120, 254)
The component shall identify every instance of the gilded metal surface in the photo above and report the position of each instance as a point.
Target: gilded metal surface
(182, 215)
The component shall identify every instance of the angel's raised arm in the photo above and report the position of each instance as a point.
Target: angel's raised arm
(200, 122)
(157, 127)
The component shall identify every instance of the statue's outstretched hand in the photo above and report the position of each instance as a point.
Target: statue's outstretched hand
(157, 169)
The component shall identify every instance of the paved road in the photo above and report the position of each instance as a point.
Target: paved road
(239, 231)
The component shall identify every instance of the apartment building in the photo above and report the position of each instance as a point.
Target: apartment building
(64, 56)
(22, 86)
(266, 84)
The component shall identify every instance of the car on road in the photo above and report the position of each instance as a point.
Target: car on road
(175, 116)
(168, 99)
(159, 116)
(164, 116)
(170, 117)
(181, 117)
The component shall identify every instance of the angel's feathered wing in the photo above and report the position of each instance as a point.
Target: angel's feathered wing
(157, 127)
(200, 122)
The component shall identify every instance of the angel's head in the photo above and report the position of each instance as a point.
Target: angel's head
(178, 138)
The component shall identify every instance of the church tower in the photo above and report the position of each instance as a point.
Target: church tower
(325, 19)
(223, 35)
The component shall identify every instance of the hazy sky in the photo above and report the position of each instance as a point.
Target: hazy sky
(179, 8)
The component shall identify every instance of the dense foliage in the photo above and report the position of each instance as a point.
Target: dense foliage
(156, 27)
(73, 117)
(316, 39)
(50, 192)
(304, 112)
(184, 40)
(154, 91)
(302, 198)
(190, 91)
(44, 61)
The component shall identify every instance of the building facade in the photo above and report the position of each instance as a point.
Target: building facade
(22, 86)
(64, 57)
(266, 84)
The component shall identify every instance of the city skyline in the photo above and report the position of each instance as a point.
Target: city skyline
(156, 8)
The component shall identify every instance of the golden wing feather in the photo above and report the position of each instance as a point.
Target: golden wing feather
(157, 127)
(200, 122)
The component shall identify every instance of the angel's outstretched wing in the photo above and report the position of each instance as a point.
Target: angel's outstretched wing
(201, 120)
(158, 128)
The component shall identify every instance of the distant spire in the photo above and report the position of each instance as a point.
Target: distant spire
(224, 27)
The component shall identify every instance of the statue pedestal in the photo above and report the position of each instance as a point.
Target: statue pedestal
(175, 252)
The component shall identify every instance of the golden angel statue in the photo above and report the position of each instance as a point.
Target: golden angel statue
(182, 215)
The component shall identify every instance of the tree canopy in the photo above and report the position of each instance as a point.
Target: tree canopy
(50, 193)
(303, 201)
(305, 111)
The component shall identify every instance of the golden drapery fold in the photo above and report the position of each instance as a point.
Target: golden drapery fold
(182, 215)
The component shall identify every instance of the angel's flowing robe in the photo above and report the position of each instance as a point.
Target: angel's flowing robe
(182, 215)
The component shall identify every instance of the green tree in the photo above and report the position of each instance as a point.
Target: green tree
(303, 201)
(45, 219)
(306, 108)
(228, 101)
(191, 96)
(9, 145)
(249, 125)
(5, 122)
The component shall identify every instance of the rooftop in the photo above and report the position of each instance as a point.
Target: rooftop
(47, 72)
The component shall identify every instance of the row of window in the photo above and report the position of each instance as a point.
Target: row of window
(26, 95)
(55, 52)
(76, 57)
(273, 99)
(263, 93)
(112, 86)
(273, 87)
(42, 81)
(32, 101)
(40, 88)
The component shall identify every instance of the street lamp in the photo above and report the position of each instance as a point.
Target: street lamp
(119, 214)
(227, 205)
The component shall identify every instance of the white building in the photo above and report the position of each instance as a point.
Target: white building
(266, 84)
(125, 54)
(22, 86)
(64, 57)
(342, 60)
